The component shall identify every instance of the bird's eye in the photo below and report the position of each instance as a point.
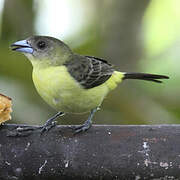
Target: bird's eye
(41, 44)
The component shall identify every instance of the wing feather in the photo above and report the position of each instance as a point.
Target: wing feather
(89, 71)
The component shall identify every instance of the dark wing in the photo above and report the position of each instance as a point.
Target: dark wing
(89, 71)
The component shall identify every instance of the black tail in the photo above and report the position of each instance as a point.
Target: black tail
(144, 76)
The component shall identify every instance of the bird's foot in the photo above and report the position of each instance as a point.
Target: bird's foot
(21, 131)
(26, 131)
(87, 124)
(47, 126)
(50, 123)
(82, 128)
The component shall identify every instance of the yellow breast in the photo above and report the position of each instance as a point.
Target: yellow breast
(62, 92)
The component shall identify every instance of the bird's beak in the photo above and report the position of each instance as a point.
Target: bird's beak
(22, 46)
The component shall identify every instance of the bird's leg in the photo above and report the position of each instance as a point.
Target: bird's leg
(87, 123)
(50, 123)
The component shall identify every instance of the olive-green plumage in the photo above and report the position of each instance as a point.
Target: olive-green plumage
(70, 82)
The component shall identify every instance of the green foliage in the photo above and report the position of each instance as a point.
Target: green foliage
(161, 26)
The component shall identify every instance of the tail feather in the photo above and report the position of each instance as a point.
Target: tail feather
(144, 76)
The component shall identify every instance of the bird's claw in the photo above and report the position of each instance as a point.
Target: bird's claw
(82, 128)
(26, 131)
(21, 131)
(46, 127)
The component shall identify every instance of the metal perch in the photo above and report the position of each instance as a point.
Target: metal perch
(103, 152)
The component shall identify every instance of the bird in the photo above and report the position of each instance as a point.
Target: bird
(70, 82)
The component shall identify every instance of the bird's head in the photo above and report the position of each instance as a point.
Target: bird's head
(43, 50)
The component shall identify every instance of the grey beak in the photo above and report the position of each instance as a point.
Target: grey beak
(22, 46)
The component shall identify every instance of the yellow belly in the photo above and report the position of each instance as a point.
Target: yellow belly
(63, 93)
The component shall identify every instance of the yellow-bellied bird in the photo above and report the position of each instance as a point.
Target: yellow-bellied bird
(69, 82)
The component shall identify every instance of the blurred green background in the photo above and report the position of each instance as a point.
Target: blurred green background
(135, 36)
